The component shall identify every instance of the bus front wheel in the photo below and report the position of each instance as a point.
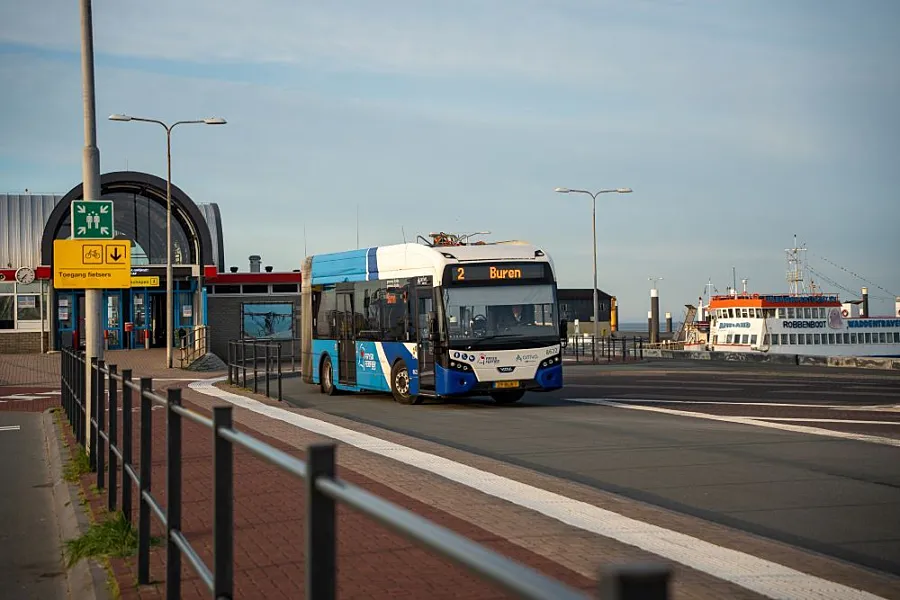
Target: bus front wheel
(400, 384)
(507, 397)
(326, 375)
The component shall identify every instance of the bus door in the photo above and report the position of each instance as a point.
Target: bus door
(423, 305)
(346, 338)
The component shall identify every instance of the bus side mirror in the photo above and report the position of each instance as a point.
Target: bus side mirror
(563, 329)
(432, 325)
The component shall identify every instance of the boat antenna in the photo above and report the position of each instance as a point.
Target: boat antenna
(795, 258)
(403, 230)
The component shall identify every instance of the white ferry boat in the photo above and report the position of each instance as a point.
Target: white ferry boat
(800, 322)
(811, 324)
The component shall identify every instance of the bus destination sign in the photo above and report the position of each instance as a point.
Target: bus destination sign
(497, 272)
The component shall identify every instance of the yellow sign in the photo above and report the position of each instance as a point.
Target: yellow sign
(145, 281)
(91, 264)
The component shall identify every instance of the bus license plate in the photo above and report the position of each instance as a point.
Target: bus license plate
(506, 384)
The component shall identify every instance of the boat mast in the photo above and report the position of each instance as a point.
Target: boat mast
(795, 257)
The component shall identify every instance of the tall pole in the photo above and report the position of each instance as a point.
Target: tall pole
(596, 298)
(90, 176)
(593, 196)
(170, 317)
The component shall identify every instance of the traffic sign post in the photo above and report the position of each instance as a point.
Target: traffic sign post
(91, 264)
(93, 219)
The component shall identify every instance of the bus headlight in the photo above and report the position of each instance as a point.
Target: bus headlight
(549, 362)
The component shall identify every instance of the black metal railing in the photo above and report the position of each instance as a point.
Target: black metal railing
(609, 349)
(323, 490)
(255, 360)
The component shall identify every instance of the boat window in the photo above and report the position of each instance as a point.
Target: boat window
(790, 313)
(753, 339)
(881, 338)
(801, 339)
(716, 339)
(730, 313)
(817, 339)
(793, 338)
(744, 339)
(868, 338)
(897, 337)
(728, 338)
(781, 313)
(839, 338)
(830, 338)
(774, 339)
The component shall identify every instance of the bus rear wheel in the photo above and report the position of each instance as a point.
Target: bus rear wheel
(326, 376)
(400, 384)
(507, 397)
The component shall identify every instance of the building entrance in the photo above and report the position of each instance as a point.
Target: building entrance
(131, 318)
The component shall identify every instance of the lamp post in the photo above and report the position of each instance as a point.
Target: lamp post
(170, 317)
(593, 196)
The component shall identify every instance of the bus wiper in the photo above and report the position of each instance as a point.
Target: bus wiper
(490, 337)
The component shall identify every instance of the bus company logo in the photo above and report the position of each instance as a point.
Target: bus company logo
(366, 360)
(488, 360)
(526, 357)
(804, 324)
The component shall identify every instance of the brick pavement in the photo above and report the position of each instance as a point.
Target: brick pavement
(269, 534)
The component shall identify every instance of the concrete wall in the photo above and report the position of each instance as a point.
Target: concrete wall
(224, 318)
(860, 362)
(22, 342)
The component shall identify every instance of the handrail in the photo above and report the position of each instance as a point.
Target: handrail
(262, 359)
(194, 345)
(323, 491)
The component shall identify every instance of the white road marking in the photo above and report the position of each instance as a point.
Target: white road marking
(832, 392)
(750, 572)
(858, 437)
(10, 428)
(814, 420)
(33, 396)
(729, 403)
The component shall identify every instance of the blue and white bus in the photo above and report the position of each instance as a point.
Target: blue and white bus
(433, 320)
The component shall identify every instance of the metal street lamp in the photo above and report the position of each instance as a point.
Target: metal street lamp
(593, 196)
(169, 309)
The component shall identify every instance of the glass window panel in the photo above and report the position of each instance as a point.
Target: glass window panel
(28, 307)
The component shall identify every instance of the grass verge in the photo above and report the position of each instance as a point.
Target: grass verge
(114, 537)
(79, 464)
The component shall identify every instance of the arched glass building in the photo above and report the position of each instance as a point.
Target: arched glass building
(34, 317)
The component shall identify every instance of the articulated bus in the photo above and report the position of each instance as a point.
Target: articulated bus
(434, 320)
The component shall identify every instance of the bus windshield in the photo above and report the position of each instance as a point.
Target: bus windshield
(512, 313)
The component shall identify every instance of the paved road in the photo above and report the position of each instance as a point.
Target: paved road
(836, 496)
(30, 555)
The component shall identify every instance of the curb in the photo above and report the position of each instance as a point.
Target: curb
(86, 580)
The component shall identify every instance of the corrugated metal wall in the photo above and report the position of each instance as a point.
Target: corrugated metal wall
(22, 219)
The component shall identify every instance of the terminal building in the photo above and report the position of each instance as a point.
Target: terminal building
(35, 318)
(232, 303)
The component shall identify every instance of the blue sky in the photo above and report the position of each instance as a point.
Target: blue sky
(738, 124)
